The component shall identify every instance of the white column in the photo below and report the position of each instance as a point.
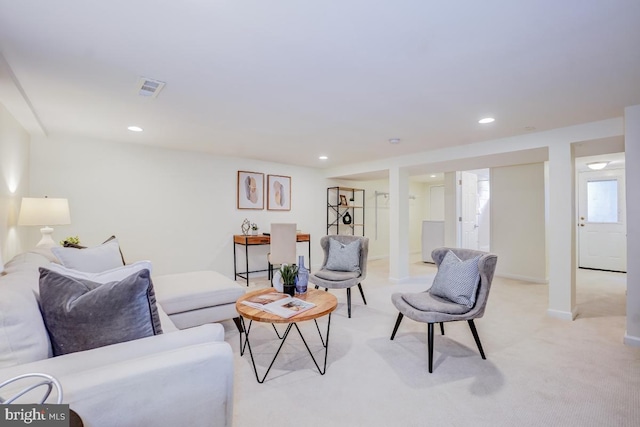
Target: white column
(398, 224)
(632, 159)
(562, 231)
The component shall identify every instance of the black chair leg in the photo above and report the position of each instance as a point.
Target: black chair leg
(442, 328)
(395, 328)
(430, 346)
(476, 337)
(349, 302)
(362, 293)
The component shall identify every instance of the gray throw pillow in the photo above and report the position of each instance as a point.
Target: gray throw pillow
(80, 314)
(457, 280)
(343, 257)
(92, 260)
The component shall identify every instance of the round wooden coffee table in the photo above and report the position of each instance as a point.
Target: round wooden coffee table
(325, 304)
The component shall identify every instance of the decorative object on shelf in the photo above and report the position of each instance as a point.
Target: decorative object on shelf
(289, 273)
(345, 211)
(346, 218)
(250, 190)
(246, 226)
(303, 276)
(278, 193)
(254, 229)
(44, 212)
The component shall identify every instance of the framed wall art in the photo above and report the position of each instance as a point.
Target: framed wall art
(250, 190)
(278, 193)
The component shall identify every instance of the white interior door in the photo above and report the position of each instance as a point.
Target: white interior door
(602, 228)
(469, 211)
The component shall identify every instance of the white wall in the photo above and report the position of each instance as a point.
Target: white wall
(14, 182)
(379, 242)
(632, 156)
(518, 221)
(176, 208)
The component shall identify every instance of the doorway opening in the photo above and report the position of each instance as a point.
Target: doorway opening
(601, 208)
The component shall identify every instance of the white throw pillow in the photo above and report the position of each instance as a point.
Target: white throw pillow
(23, 337)
(113, 275)
(92, 260)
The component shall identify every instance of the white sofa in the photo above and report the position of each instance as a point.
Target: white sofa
(181, 377)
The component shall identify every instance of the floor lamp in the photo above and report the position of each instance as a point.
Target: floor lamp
(44, 212)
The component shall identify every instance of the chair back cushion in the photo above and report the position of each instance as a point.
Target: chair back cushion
(486, 267)
(282, 248)
(343, 257)
(457, 280)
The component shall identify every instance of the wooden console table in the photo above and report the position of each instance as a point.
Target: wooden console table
(246, 241)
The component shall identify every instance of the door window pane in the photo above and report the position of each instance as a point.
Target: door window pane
(602, 201)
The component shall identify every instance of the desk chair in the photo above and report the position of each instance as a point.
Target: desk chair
(283, 245)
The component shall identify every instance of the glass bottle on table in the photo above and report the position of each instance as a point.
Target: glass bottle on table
(303, 276)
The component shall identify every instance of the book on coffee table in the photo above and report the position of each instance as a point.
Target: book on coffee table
(279, 304)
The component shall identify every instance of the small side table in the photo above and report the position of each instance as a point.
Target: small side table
(325, 304)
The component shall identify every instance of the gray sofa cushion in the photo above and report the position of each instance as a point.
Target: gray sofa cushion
(343, 257)
(80, 314)
(457, 280)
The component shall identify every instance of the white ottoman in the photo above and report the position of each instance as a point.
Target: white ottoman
(198, 297)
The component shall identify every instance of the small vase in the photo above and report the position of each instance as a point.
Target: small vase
(346, 218)
(289, 289)
(303, 276)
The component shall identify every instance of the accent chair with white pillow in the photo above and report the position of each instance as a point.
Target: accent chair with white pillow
(459, 291)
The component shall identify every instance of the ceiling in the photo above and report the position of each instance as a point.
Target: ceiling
(287, 81)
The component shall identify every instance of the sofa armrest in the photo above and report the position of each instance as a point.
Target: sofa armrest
(181, 378)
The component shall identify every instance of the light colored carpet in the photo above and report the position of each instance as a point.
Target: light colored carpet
(539, 370)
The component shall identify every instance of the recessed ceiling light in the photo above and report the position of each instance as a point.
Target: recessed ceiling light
(432, 176)
(135, 128)
(596, 166)
(486, 120)
(394, 141)
(323, 158)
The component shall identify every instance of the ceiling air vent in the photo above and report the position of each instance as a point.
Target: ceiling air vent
(149, 87)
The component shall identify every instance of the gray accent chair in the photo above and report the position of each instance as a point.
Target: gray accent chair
(342, 279)
(439, 310)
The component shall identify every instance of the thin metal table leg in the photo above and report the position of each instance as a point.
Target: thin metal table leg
(325, 344)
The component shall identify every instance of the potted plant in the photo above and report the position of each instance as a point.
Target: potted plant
(288, 273)
(254, 228)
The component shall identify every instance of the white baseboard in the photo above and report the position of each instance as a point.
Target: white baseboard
(563, 315)
(523, 278)
(631, 341)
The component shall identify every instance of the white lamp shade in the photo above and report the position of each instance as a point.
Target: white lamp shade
(44, 211)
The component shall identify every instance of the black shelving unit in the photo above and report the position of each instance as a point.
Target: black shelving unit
(345, 211)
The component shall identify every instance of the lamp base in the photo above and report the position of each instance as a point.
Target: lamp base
(47, 240)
